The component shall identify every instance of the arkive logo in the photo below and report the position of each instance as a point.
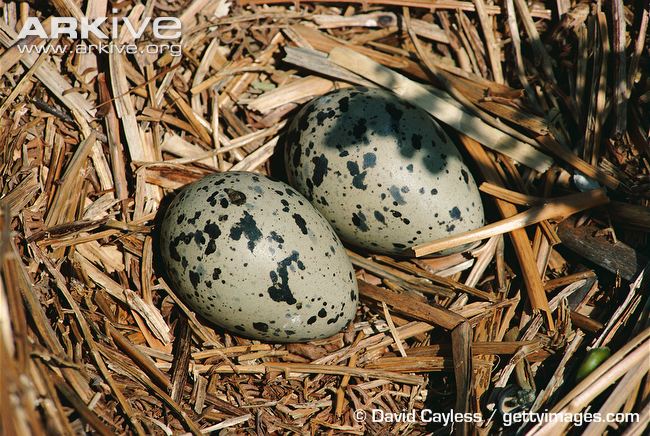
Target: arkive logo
(162, 27)
(105, 34)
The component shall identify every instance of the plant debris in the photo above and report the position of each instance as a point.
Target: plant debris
(548, 101)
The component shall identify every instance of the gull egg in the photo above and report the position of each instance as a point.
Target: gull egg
(253, 256)
(381, 170)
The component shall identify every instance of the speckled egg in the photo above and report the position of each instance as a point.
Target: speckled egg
(382, 171)
(253, 256)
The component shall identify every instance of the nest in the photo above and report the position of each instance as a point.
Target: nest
(545, 100)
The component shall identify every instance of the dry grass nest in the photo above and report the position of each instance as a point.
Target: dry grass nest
(93, 340)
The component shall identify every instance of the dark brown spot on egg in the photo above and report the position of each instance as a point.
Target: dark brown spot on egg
(300, 222)
(261, 326)
(236, 197)
(333, 320)
(248, 227)
(196, 216)
(280, 290)
(212, 229)
(273, 236)
(320, 169)
(194, 278)
(380, 217)
(324, 115)
(359, 220)
(344, 104)
(465, 176)
(357, 177)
